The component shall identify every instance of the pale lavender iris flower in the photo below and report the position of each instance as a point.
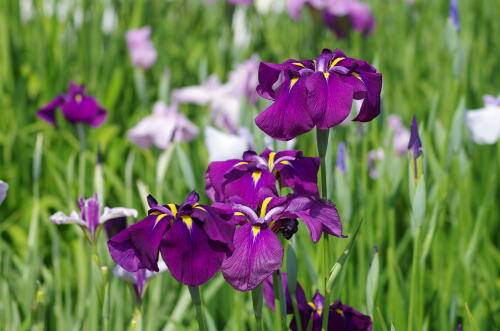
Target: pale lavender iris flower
(4, 187)
(90, 217)
(233, 145)
(401, 135)
(224, 100)
(142, 51)
(164, 126)
(484, 123)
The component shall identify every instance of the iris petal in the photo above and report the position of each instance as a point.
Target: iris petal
(254, 258)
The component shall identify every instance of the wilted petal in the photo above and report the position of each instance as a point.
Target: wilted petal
(257, 254)
(190, 255)
(137, 246)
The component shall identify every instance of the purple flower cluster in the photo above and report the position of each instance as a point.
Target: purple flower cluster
(316, 93)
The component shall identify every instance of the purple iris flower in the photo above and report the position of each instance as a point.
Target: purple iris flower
(90, 217)
(346, 15)
(454, 14)
(340, 317)
(139, 278)
(76, 106)
(316, 93)
(415, 145)
(253, 178)
(257, 250)
(192, 238)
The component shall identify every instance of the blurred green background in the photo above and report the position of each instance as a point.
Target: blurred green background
(446, 275)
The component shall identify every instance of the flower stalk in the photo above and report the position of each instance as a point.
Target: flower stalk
(279, 299)
(257, 307)
(198, 305)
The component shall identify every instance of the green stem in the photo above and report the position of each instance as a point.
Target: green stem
(279, 299)
(81, 166)
(322, 144)
(413, 282)
(257, 307)
(196, 297)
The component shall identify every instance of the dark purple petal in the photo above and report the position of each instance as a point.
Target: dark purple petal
(345, 318)
(301, 174)
(48, 112)
(288, 116)
(115, 226)
(190, 255)
(191, 199)
(137, 246)
(152, 201)
(214, 178)
(257, 254)
(319, 215)
(317, 96)
(215, 226)
(371, 104)
(339, 102)
(249, 188)
(269, 74)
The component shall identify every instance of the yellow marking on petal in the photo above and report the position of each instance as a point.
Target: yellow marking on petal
(341, 313)
(156, 212)
(293, 81)
(255, 230)
(270, 162)
(299, 64)
(256, 176)
(188, 221)
(357, 76)
(263, 208)
(326, 74)
(240, 163)
(200, 207)
(173, 208)
(313, 306)
(238, 213)
(334, 62)
(78, 97)
(158, 219)
(286, 162)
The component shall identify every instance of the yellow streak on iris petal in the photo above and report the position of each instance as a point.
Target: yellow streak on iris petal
(238, 213)
(299, 64)
(270, 162)
(255, 231)
(341, 313)
(156, 212)
(334, 62)
(188, 221)
(173, 208)
(240, 163)
(326, 74)
(286, 162)
(313, 306)
(356, 75)
(256, 176)
(293, 81)
(263, 209)
(200, 207)
(158, 219)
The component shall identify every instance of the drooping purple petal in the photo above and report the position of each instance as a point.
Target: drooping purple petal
(214, 179)
(320, 216)
(138, 245)
(216, 227)
(191, 256)
(257, 254)
(300, 174)
(83, 108)
(48, 112)
(115, 226)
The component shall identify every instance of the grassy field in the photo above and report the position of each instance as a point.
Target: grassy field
(434, 275)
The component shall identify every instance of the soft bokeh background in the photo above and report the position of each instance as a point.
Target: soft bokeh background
(448, 274)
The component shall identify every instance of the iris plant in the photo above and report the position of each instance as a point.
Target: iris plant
(316, 93)
(76, 106)
(340, 318)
